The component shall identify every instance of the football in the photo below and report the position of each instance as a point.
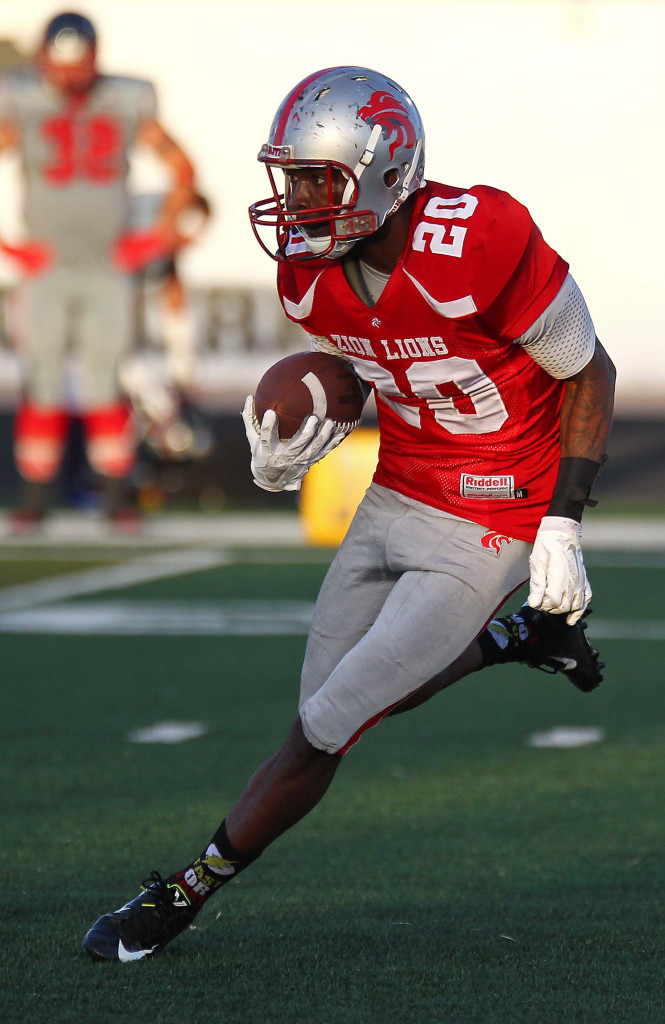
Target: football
(306, 384)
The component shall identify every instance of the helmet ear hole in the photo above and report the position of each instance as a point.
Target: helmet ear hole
(391, 177)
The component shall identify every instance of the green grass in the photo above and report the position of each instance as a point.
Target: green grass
(453, 874)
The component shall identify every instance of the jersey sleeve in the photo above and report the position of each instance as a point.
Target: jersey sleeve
(8, 108)
(146, 101)
(563, 339)
(537, 276)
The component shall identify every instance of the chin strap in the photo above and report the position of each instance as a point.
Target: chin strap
(404, 194)
(365, 161)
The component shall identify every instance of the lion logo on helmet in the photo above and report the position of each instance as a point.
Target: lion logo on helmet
(385, 110)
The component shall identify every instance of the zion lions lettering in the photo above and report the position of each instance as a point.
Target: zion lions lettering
(391, 348)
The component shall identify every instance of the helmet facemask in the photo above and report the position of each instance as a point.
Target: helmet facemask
(311, 233)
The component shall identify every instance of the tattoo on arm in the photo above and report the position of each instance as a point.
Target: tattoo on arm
(586, 413)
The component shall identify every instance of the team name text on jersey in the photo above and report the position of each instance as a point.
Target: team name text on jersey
(393, 348)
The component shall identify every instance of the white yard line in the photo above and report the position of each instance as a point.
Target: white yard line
(112, 577)
(158, 618)
(223, 618)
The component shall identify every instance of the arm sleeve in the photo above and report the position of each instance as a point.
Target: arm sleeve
(7, 101)
(562, 339)
(146, 101)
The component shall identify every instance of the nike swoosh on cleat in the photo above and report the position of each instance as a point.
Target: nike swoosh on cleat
(125, 955)
(567, 664)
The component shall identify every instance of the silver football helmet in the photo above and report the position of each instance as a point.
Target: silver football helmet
(349, 120)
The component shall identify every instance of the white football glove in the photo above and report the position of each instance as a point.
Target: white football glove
(559, 582)
(280, 465)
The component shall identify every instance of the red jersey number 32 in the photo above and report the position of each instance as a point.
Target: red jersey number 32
(83, 149)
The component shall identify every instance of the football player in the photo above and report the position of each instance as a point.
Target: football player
(163, 397)
(74, 129)
(494, 400)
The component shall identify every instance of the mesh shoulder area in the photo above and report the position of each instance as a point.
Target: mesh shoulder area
(563, 339)
(319, 343)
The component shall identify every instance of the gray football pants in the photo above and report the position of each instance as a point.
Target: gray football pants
(88, 312)
(407, 592)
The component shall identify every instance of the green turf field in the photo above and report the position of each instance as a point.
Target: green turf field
(453, 875)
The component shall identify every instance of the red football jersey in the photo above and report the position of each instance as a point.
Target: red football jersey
(468, 422)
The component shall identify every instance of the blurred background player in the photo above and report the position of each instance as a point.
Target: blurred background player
(74, 129)
(159, 375)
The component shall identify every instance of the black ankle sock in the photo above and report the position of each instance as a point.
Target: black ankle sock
(508, 639)
(219, 863)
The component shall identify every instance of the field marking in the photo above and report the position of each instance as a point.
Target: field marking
(113, 577)
(220, 618)
(168, 732)
(159, 618)
(269, 556)
(564, 737)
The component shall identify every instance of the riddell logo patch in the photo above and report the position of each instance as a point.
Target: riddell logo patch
(494, 541)
(500, 485)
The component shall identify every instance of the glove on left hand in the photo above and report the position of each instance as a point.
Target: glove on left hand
(559, 582)
(33, 258)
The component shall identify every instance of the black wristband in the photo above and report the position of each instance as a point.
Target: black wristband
(572, 488)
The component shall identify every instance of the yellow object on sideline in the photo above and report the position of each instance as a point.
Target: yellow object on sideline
(335, 486)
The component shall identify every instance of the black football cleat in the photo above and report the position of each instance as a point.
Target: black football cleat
(143, 927)
(562, 648)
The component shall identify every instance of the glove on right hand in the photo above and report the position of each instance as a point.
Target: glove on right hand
(281, 465)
